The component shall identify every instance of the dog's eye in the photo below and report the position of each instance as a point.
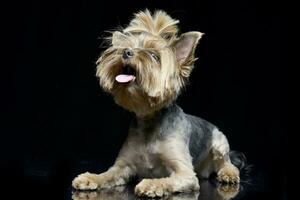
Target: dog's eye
(167, 36)
(153, 55)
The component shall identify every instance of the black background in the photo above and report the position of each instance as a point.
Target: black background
(59, 123)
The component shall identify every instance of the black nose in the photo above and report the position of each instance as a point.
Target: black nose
(127, 54)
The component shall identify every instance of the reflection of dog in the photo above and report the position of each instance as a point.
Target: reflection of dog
(113, 194)
(145, 68)
(116, 193)
(208, 191)
(126, 195)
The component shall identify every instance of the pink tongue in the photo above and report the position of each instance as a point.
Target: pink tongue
(124, 78)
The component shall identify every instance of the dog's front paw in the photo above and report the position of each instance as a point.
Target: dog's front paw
(86, 181)
(151, 188)
(228, 174)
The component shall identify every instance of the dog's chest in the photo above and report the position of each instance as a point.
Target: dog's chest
(148, 161)
(147, 155)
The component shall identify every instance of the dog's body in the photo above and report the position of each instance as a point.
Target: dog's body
(145, 69)
(171, 136)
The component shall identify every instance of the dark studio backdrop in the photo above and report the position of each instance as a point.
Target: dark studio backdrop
(59, 123)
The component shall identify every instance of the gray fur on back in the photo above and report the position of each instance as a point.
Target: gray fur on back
(200, 137)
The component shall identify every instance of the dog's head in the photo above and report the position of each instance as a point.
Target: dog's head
(147, 64)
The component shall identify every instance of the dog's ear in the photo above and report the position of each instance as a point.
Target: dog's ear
(184, 48)
(118, 38)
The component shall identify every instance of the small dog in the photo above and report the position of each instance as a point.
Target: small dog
(145, 69)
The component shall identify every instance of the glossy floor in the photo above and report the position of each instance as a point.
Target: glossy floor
(208, 191)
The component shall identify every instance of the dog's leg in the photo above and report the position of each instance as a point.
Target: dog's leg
(175, 156)
(182, 180)
(226, 171)
(179, 181)
(205, 167)
(119, 174)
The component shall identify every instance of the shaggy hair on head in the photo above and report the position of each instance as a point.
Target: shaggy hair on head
(160, 64)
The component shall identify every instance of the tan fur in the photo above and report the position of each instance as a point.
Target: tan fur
(117, 175)
(158, 82)
(158, 24)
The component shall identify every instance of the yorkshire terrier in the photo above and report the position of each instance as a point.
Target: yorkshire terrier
(145, 68)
